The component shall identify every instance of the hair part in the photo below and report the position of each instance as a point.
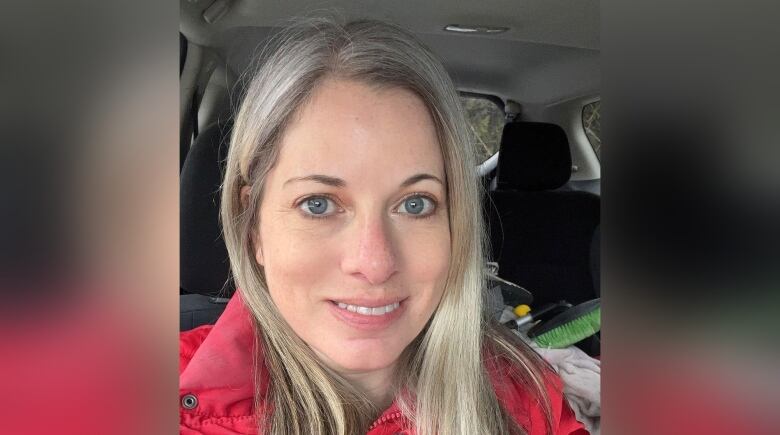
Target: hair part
(442, 370)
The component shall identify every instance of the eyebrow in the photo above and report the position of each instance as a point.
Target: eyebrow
(324, 179)
(420, 177)
(338, 182)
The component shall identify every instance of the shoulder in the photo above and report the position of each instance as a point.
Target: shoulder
(519, 401)
(217, 386)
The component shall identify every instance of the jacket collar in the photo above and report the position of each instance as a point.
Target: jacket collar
(225, 358)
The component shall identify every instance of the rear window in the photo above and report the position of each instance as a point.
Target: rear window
(486, 120)
(591, 122)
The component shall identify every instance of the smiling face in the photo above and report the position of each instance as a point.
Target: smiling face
(354, 233)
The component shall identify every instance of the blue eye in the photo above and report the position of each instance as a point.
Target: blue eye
(317, 206)
(417, 205)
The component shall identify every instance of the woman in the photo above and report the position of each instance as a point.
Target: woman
(351, 213)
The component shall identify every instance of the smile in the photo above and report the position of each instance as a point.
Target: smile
(370, 311)
(368, 315)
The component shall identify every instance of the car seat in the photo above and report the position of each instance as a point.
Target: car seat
(204, 266)
(541, 234)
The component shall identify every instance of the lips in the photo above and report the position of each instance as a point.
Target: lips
(366, 314)
(369, 311)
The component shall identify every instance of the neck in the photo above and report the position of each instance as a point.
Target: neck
(376, 385)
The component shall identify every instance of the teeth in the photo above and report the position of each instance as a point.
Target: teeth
(368, 311)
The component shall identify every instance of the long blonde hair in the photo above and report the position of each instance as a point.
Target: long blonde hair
(444, 369)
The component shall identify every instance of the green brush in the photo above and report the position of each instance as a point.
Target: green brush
(569, 327)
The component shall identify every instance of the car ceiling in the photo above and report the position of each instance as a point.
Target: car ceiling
(549, 54)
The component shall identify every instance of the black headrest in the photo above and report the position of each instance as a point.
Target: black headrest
(533, 156)
(204, 265)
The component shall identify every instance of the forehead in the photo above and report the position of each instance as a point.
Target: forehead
(349, 128)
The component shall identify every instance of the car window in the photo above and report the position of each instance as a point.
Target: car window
(486, 120)
(591, 122)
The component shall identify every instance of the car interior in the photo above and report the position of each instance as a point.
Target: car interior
(535, 61)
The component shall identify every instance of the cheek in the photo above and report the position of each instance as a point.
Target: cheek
(427, 258)
(296, 264)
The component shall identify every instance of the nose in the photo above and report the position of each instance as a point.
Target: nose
(370, 255)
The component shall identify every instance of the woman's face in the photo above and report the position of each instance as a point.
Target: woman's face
(354, 232)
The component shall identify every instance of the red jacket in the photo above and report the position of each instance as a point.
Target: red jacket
(216, 391)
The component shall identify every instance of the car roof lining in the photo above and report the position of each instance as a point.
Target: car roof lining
(550, 54)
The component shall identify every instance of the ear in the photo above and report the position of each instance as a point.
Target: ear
(244, 196)
(253, 234)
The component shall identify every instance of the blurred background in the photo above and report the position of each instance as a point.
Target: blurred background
(691, 212)
(89, 217)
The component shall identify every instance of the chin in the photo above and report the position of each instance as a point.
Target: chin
(361, 365)
(364, 358)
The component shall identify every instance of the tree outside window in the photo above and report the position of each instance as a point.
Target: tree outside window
(591, 122)
(486, 120)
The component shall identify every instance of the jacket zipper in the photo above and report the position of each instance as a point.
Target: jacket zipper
(384, 419)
